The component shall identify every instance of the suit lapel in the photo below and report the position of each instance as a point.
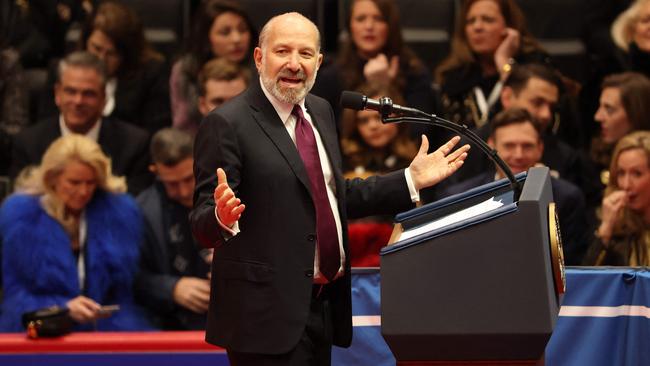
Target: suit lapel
(268, 119)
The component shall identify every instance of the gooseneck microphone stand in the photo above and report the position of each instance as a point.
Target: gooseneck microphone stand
(431, 119)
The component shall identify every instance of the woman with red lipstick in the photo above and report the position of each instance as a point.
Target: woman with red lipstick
(220, 29)
(490, 36)
(623, 108)
(623, 237)
(375, 52)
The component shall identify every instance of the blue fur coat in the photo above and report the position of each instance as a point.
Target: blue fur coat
(39, 268)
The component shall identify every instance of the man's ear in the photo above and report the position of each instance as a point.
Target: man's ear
(257, 56)
(57, 94)
(202, 107)
(490, 142)
(153, 169)
(506, 97)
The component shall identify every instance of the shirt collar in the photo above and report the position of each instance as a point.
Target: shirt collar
(281, 108)
(92, 134)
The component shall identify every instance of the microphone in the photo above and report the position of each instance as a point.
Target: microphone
(384, 105)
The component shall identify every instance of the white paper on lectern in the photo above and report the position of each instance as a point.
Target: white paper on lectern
(485, 206)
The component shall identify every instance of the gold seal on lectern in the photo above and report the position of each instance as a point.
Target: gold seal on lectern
(557, 255)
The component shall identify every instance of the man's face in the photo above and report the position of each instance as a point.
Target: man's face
(80, 97)
(289, 60)
(218, 92)
(538, 97)
(178, 180)
(518, 145)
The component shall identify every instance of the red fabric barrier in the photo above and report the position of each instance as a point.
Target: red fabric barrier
(111, 342)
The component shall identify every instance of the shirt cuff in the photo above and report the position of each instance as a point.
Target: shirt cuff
(234, 230)
(415, 194)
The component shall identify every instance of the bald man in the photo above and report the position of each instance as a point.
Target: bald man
(276, 211)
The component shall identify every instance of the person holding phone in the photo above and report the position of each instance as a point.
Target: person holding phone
(489, 38)
(70, 238)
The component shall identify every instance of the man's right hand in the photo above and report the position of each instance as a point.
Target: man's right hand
(229, 207)
(192, 293)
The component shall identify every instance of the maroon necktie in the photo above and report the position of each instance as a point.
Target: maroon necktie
(326, 235)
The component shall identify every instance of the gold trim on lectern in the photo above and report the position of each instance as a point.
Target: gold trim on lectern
(557, 254)
(397, 232)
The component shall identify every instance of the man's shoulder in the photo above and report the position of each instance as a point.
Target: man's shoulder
(124, 127)
(43, 129)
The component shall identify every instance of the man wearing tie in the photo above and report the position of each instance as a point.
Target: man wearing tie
(276, 211)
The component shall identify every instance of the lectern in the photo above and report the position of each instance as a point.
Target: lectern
(475, 278)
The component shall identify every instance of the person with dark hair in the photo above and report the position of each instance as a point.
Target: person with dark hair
(80, 96)
(623, 235)
(371, 147)
(220, 29)
(375, 52)
(489, 37)
(173, 281)
(280, 283)
(623, 108)
(136, 86)
(517, 136)
(219, 81)
(626, 48)
(70, 239)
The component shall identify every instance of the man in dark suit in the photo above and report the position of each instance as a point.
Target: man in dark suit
(80, 97)
(173, 280)
(516, 135)
(280, 289)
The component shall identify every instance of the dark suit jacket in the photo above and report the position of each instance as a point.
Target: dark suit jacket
(262, 278)
(125, 144)
(570, 207)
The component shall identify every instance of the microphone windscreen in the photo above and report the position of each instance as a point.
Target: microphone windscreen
(352, 100)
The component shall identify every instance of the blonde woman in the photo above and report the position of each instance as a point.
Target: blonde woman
(71, 238)
(623, 236)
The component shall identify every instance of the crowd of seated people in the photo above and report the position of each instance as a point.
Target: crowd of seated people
(113, 106)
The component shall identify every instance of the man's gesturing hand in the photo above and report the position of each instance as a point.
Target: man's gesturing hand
(429, 169)
(229, 207)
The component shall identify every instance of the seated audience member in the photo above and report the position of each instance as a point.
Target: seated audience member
(626, 49)
(70, 239)
(623, 237)
(173, 281)
(219, 81)
(623, 108)
(516, 135)
(371, 147)
(137, 89)
(489, 37)
(220, 29)
(536, 88)
(80, 97)
(375, 52)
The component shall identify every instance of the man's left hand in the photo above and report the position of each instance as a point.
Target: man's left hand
(429, 169)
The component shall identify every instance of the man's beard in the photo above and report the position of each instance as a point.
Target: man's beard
(289, 95)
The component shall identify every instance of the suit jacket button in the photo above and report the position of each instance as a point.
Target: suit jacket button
(309, 273)
(311, 237)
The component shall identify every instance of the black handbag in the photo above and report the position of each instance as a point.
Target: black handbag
(48, 322)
